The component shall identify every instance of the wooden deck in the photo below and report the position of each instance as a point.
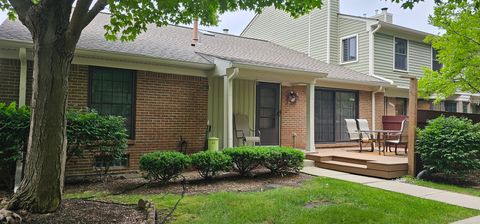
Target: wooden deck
(350, 160)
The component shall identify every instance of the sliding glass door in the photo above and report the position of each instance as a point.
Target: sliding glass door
(332, 107)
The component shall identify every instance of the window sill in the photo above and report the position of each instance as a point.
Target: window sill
(400, 70)
(348, 62)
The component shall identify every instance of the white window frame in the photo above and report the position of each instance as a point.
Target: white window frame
(394, 53)
(341, 49)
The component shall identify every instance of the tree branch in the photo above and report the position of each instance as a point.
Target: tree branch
(21, 7)
(78, 16)
(97, 8)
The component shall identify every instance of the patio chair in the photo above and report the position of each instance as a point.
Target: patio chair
(243, 132)
(400, 138)
(363, 126)
(355, 134)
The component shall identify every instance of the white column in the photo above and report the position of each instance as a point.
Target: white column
(310, 142)
(227, 112)
(22, 95)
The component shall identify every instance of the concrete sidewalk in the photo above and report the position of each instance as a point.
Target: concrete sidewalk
(448, 197)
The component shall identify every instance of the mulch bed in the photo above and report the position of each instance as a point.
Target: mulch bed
(80, 211)
(261, 180)
(471, 180)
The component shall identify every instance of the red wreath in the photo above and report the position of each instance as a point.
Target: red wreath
(292, 97)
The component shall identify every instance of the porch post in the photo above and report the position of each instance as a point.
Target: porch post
(227, 112)
(22, 95)
(412, 125)
(310, 142)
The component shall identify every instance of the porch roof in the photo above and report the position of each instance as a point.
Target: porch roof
(173, 43)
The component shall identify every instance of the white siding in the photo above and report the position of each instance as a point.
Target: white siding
(278, 27)
(350, 27)
(419, 55)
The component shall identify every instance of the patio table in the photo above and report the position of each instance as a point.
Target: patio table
(382, 133)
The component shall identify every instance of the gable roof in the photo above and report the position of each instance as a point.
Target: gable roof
(174, 43)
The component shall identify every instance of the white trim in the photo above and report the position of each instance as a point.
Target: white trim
(359, 18)
(341, 49)
(328, 30)
(310, 141)
(408, 53)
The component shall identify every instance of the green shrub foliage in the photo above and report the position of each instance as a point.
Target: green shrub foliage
(14, 129)
(163, 166)
(246, 158)
(87, 132)
(100, 135)
(209, 163)
(449, 145)
(282, 160)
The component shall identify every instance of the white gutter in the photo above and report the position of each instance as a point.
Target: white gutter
(371, 53)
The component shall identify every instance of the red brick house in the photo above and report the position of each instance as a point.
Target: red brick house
(170, 87)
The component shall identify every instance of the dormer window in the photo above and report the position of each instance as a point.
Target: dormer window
(401, 54)
(349, 49)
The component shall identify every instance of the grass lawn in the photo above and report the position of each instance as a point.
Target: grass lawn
(447, 187)
(329, 200)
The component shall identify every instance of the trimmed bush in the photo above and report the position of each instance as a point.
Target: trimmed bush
(14, 130)
(246, 158)
(449, 145)
(163, 166)
(282, 160)
(209, 163)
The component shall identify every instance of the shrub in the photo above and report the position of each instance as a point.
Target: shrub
(246, 158)
(163, 166)
(282, 160)
(87, 132)
(14, 130)
(449, 145)
(209, 163)
(104, 136)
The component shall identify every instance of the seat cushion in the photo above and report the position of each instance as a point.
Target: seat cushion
(252, 139)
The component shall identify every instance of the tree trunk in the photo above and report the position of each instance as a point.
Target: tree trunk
(41, 188)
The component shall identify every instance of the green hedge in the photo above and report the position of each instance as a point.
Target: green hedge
(87, 132)
(449, 145)
(163, 166)
(282, 160)
(209, 163)
(246, 158)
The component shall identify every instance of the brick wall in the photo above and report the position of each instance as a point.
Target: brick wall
(167, 107)
(10, 79)
(365, 108)
(293, 117)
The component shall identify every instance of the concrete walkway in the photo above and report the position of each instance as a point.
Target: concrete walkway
(448, 197)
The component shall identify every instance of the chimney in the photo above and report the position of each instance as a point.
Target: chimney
(384, 16)
(195, 33)
(364, 14)
(384, 10)
(225, 31)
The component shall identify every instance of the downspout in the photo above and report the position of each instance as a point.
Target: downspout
(380, 89)
(228, 108)
(371, 54)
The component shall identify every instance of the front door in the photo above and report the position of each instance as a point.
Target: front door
(267, 114)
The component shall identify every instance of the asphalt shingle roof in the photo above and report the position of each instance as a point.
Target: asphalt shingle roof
(174, 43)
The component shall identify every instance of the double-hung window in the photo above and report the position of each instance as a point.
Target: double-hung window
(436, 65)
(349, 49)
(112, 92)
(401, 54)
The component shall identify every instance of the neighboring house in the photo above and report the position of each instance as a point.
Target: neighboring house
(168, 89)
(371, 45)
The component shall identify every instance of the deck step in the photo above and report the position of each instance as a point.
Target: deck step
(346, 164)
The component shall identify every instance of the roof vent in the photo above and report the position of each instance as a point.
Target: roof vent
(225, 31)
